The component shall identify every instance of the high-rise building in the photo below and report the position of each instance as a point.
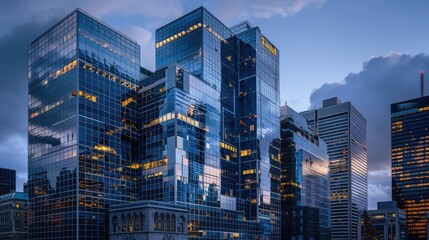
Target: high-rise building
(82, 137)
(203, 134)
(7, 181)
(410, 164)
(214, 121)
(389, 221)
(343, 128)
(304, 180)
(13, 216)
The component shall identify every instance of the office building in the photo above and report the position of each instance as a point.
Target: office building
(304, 180)
(148, 220)
(389, 221)
(201, 132)
(343, 128)
(7, 181)
(410, 164)
(13, 216)
(215, 117)
(83, 127)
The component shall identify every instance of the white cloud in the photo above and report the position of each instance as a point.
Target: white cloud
(247, 9)
(383, 80)
(379, 187)
(144, 8)
(146, 41)
(147, 11)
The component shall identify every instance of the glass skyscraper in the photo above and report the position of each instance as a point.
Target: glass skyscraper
(83, 127)
(222, 123)
(410, 164)
(343, 128)
(304, 180)
(202, 131)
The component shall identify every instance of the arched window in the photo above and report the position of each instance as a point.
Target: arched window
(167, 223)
(115, 223)
(155, 222)
(173, 223)
(136, 222)
(124, 223)
(130, 223)
(181, 224)
(141, 222)
(161, 223)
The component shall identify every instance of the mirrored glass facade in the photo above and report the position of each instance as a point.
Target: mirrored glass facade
(83, 127)
(410, 167)
(202, 131)
(343, 128)
(304, 180)
(230, 143)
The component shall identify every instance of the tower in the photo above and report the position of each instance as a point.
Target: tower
(343, 128)
(304, 180)
(82, 136)
(410, 141)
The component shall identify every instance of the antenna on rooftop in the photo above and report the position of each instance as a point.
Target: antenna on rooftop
(422, 79)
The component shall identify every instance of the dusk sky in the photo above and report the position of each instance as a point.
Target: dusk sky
(367, 52)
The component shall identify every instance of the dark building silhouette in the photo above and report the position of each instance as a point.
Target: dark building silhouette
(410, 167)
(7, 181)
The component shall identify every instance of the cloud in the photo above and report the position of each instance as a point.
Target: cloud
(147, 11)
(379, 187)
(248, 9)
(382, 81)
(145, 39)
(14, 94)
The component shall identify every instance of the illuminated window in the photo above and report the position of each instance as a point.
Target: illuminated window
(249, 171)
(268, 46)
(46, 108)
(127, 101)
(88, 96)
(245, 153)
(108, 76)
(176, 36)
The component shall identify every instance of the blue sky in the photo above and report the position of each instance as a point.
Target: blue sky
(368, 52)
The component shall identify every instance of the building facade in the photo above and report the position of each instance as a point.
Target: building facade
(343, 128)
(148, 220)
(389, 221)
(13, 216)
(203, 134)
(410, 167)
(7, 181)
(304, 180)
(82, 138)
(217, 121)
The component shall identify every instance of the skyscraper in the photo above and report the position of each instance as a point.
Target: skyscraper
(410, 166)
(343, 128)
(201, 132)
(304, 180)
(220, 115)
(82, 137)
(7, 181)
